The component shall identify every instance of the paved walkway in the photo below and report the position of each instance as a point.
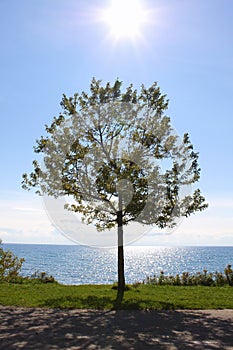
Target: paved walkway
(22, 328)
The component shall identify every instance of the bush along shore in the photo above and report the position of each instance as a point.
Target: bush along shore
(204, 278)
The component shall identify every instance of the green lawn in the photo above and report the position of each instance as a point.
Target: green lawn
(103, 296)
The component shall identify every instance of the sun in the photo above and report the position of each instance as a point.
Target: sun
(125, 18)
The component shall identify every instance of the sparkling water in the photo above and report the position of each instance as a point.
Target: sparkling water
(73, 264)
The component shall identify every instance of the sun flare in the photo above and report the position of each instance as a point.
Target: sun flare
(125, 18)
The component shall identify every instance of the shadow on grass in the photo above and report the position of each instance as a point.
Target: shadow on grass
(89, 302)
(103, 303)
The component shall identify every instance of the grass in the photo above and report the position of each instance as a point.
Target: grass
(103, 296)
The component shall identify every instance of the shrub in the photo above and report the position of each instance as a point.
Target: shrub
(197, 279)
(10, 266)
(115, 287)
(229, 274)
(136, 284)
(220, 279)
(42, 277)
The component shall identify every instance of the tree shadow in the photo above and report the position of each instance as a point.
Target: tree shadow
(89, 302)
(101, 303)
(115, 329)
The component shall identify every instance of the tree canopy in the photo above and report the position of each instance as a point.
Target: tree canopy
(111, 138)
(116, 154)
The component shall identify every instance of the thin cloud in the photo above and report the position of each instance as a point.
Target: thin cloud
(28, 209)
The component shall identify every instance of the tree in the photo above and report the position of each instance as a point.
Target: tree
(105, 149)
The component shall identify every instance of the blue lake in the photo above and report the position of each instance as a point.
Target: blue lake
(73, 264)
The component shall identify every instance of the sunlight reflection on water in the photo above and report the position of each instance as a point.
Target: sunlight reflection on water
(84, 265)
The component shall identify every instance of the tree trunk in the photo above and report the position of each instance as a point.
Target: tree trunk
(121, 273)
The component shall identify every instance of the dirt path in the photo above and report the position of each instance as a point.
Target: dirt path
(22, 328)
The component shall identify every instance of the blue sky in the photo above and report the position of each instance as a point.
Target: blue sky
(53, 47)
